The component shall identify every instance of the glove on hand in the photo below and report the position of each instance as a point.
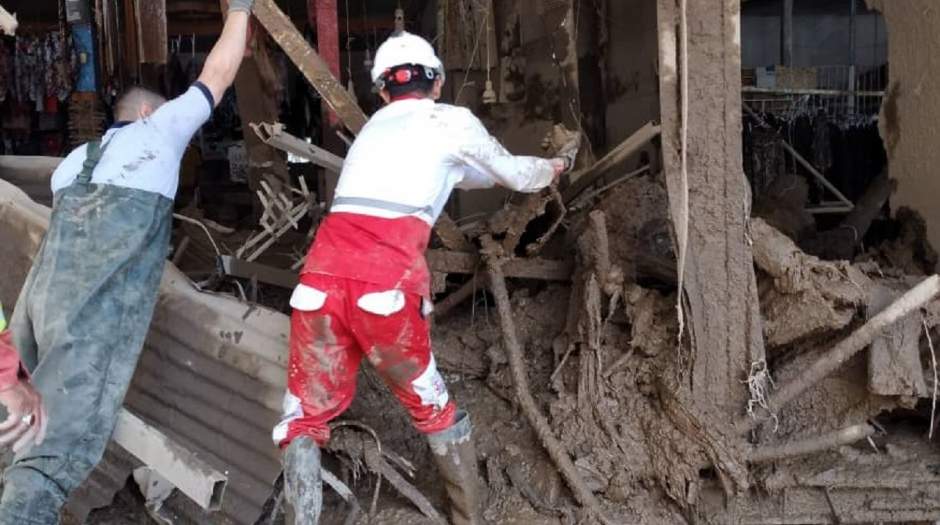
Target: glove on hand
(240, 5)
(564, 144)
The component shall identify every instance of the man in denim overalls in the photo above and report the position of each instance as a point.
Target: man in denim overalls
(82, 317)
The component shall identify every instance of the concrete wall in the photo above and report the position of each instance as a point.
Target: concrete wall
(820, 34)
(911, 109)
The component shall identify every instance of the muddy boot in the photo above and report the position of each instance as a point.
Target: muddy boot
(303, 492)
(456, 458)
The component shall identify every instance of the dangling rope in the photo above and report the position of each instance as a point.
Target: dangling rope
(682, 225)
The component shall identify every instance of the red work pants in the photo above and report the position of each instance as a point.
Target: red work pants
(336, 322)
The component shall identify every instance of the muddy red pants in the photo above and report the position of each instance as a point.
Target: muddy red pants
(336, 322)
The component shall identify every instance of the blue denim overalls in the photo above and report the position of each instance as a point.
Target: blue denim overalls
(80, 323)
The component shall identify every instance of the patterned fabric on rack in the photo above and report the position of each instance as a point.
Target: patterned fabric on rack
(42, 66)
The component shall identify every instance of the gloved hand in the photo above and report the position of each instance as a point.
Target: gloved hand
(240, 5)
(563, 144)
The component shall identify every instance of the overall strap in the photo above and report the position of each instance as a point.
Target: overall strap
(92, 156)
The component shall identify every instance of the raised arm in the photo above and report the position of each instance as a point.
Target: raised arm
(223, 61)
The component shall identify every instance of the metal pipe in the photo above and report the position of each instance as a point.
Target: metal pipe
(819, 92)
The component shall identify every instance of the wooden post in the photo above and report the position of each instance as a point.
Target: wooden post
(709, 198)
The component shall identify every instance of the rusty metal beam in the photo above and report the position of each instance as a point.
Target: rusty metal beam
(314, 68)
(323, 15)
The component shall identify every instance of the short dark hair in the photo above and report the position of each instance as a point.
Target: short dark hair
(128, 104)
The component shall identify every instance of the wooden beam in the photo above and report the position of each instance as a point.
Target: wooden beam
(313, 67)
(585, 178)
(274, 135)
(191, 475)
(446, 261)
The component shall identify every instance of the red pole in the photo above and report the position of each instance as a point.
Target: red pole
(325, 17)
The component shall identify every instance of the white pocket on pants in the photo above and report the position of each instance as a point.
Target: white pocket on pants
(382, 303)
(307, 299)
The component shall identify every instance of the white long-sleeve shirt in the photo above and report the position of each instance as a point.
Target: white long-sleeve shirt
(413, 153)
(395, 181)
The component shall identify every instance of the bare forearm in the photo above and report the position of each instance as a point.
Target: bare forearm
(226, 56)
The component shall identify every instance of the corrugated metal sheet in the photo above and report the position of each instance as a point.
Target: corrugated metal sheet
(211, 375)
(106, 481)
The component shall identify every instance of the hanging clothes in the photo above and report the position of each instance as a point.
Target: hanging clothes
(43, 67)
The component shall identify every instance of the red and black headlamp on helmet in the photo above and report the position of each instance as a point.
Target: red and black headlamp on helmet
(407, 73)
(408, 78)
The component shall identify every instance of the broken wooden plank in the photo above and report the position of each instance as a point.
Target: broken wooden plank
(313, 67)
(585, 178)
(251, 270)
(450, 235)
(447, 261)
(812, 445)
(510, 222)
(191, 475)
(845, 349)
(894, 367)
(274, 135)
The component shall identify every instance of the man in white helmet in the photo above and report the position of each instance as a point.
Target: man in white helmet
(365, 289)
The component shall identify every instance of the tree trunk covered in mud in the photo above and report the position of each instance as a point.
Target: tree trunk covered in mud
(711, 202)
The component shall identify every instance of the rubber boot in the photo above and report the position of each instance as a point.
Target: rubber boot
(303, 489)
(456, 458)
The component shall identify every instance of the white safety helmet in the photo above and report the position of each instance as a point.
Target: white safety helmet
(404, 48)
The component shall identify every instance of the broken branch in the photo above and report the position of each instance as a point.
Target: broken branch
(848, 347)
(556, 451)
(805, 447)
(373, 458)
